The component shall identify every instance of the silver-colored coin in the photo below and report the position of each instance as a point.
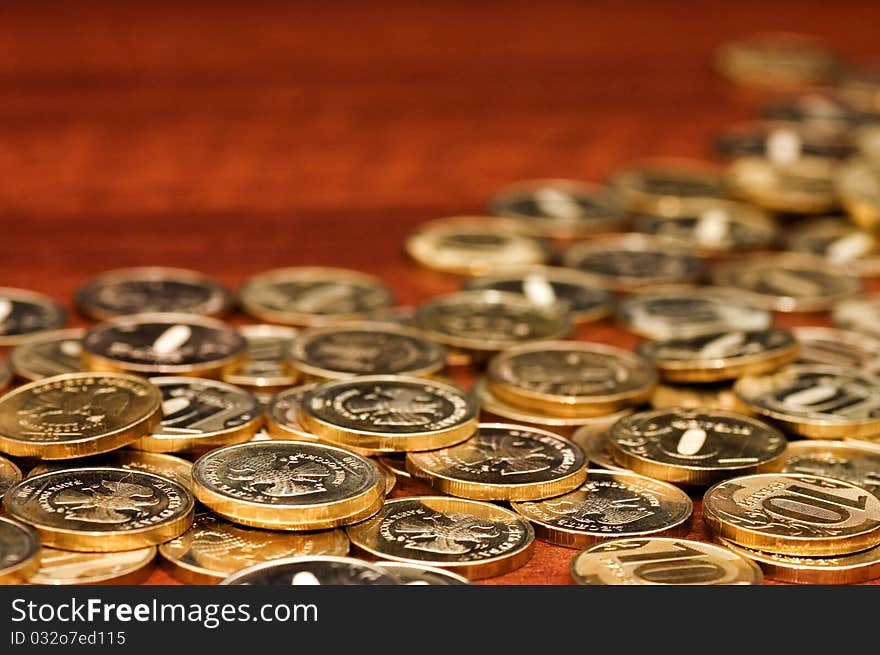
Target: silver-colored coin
(859, 315)
(45, 355)
(24, 314)
(835, 347)
(317, 570)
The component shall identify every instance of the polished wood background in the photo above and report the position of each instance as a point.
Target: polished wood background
(236, 137)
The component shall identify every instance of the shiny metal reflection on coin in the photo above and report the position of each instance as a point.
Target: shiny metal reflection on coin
(168, 466)
(853, 462)
(713, 395)
(47, 354)
(283, 413)
(659, 186)
(859, 315)
(24, 314)
(416, 574)
(67, 567)
(264, 367)
(836, 347)
(858, 186)
(596, 446)
(840, 243)
(764, 138)
(19, 552)
(786, 181)
(9, 474)
(311, 570)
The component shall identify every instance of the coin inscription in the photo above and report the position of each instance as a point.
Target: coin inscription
(850, 462)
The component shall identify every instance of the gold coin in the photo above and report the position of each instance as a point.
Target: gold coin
(77, 414)
(417, 574)
(695, 446)
(596, 446)
(386, 413)
(659, 186)
(837, 570)
(570, 378)
(5, 375)
(213, 548)
(472, 245)
(168, 466)
(723, 356)
(859, 87)
(788, 282)
(25, 314)
(265, 365)
(769, 137)
(283, 413)
(472, 538)
(19, 552)
(840, 243)
(858, 185)
(48, 354)
(822, 108)
(312, 295)
(288, 485)
(388, 475)
(867, 136)
(394, 462)
(662, 561)
(101, 509)
(311, 570)
(9, 475)
(67, 567)
(835, 347)
(860, 315)
(777, 59)
(717, 395)
(489, 321)
(197, 413)
(503, 462)
(852, 462)
(820, 402)
(610, 504)
(793, 514)
(786, 182)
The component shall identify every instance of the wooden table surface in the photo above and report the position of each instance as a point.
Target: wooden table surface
(236, 137)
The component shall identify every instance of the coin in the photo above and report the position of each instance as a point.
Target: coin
(151, 289)
(66, 567)
(394, 462)
(837, 570)
(283, 414)
(9, 475)
(214, 548)
(416, 574)
(594, 442)
(315, 570)
(472, 538)
(503, 462)
(489, 321)
(24, 314)
(19, 552)
(168, 466)
(835, 347)
(851, 462)
(288, 485)
(472, 245)
(695, 446)
(77, 414)
(5, 375)
(310, 295)
(860, 315)
(389, 413)
(198, 413)
(766, 138)
(686, 313)
(355, 349)
(860, 86)
(101, 509)
(47, 354)
(265, 363)
(658, 560)
(777, 59)
(825, 108)
(630, 261)
(659, 186)
(610, 504)
(788, 282)
(569, 378)
(821, 402)
(867, 138)
(789, 182)
(858, 186)
(712, 226)
(841, 243)
(714, 395)
(793, 514)
(560, 209)
(724, 356)
(388, 476)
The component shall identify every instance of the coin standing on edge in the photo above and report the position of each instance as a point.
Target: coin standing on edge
(67, 567)
(168, 466)
(101, 509)
(836, 347)
(416, 574)
(503, 462)
(609, 505)
(315, 570)
(852, 462)
(19, 552)
(51, 353)
(662, 561)
(475, 539)
(24, 314)
(77, 414)
(288, 485)
(265, 363)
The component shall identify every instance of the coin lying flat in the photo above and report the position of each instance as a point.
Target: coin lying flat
(47, 354)
(858, 185)
(472, 245)
(288, 485)
(822, 402)
(77, 414)
(713, 395)
(383, 413)
(152, 289)
(860, 315)
(283, 413)
(313, 295)
(475, 539)
(765, 138)
(777, 59)
(416, 574)
(790, 182)
(839, 242)
(198, 413)
(394, 462)
(837, 570)
(19, 552)
(265, 363)
(597, 447)
(723, 356)
(695, 446)
(168, 466)
(67, 567)
(821, 108)
(214, 548)
(631, 261)
(490, 321)
(354, 349)
(559, 209)
(658, 560)
(548, 285)
(9, 475)
(856, 463)
(659, 186)
(793, 514)
(24, 314)
(788, 283)
(685, 313)
(835, 347)
(610, 504)
(570, 378)
(101, 509)
(314, 570)
(503, 462)
(5, 375)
